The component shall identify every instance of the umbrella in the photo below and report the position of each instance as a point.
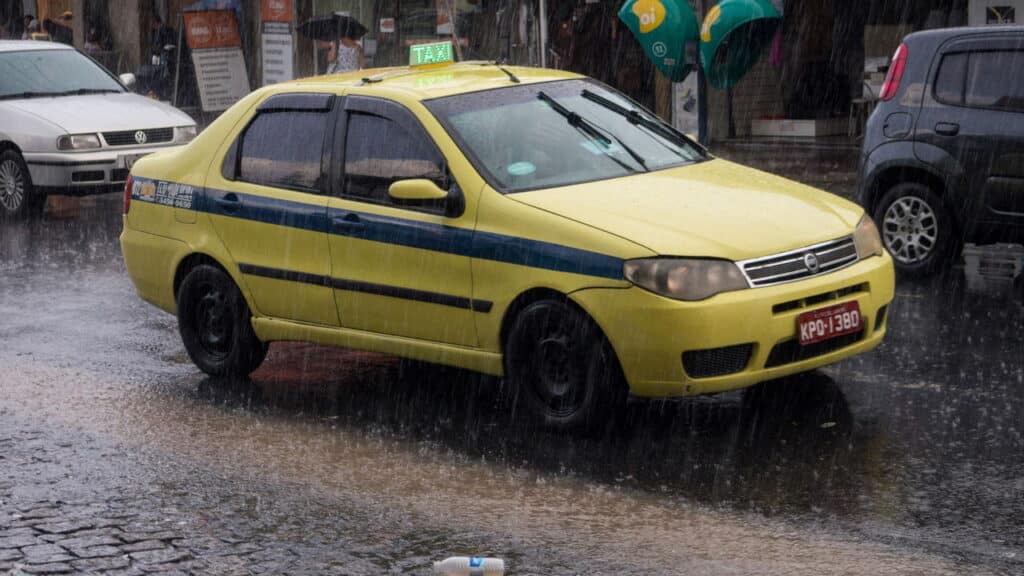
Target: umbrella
(332, 27)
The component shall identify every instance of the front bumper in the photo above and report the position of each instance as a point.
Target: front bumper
(650, 333)
(83, 173)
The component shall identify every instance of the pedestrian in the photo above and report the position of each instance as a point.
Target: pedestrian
(154, 77)
(61, 29)
(36, 31)
(25, 22)
(344, 55)
(94, 43)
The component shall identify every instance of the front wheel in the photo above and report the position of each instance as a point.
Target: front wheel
(215, 324)
(916, 228)
(561, 369)
(18, 198)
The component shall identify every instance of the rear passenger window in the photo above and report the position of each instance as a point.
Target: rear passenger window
(283, 149)
(949, 83)
(994, 80)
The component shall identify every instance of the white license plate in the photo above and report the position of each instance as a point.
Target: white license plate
(128, 160)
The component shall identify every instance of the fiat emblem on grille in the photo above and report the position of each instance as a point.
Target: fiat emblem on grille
(140, 137)
(811, 262)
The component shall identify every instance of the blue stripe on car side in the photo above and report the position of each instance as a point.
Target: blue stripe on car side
(415, 234)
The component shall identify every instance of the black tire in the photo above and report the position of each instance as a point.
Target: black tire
(18, 197)
(916, 228)
(215, 324)
(560, 370)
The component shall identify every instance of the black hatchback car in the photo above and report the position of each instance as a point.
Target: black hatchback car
(943, 155)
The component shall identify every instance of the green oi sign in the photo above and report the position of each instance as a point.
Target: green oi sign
(663, 28)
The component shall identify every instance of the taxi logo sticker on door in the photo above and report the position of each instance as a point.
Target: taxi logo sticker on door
(709, 21)
(164, 193)
(651, 14)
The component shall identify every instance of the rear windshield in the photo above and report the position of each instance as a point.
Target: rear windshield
(559, 133)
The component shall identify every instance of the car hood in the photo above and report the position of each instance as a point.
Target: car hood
(711, 209)
(101, 112)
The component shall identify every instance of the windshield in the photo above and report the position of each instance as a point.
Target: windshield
(557, 133)
(39, 73)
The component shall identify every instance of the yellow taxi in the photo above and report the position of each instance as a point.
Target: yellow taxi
(521, 222)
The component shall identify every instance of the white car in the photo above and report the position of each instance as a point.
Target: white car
(67, 126)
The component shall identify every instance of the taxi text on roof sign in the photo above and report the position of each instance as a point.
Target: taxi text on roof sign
(434, 53)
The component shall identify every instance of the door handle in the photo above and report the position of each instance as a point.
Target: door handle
(947, 128)
(229, 202)
(347, 223)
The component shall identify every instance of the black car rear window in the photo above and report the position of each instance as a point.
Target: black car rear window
(949, 83)
(988, 79)
(994, 80)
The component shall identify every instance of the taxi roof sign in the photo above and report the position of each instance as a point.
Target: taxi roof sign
(431, 54)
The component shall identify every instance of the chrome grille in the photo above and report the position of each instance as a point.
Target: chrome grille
(127, 137)
(791, 266)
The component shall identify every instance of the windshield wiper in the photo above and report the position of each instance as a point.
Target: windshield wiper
(588, 128)
(76, 92)
(19, 95)
(81, 91)
(636, 118)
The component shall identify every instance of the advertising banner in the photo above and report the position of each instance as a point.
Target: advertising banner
(217, 58)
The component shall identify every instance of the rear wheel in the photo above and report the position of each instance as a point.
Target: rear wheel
(560, 369)
(916, 228)
(18, 197)
(215, 324)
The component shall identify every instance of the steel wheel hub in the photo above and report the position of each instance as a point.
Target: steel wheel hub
(12, 185)
(559, 374)
(213, 319)
(910, 230)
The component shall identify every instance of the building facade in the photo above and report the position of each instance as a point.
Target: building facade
(825, 65)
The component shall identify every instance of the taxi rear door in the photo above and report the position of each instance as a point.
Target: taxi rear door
(267, 203)
(402, 270)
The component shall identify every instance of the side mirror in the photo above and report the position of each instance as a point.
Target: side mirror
(128, 79)
(416, 190)
(426, 193)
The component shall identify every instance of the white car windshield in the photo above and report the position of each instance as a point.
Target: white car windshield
(42, 73)
(559, 133)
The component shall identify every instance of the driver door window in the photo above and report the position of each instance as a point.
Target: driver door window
(380, 150)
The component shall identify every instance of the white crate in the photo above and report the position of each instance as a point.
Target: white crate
(994, 260)
(805, 128)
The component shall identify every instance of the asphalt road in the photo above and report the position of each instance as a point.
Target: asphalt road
(117, 454)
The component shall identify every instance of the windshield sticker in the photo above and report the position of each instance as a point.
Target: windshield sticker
(521, 168)
(596, 147)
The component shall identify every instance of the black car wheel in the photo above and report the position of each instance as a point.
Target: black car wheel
(215, 324)
(560, 369)
(916, 228)
(18, 197)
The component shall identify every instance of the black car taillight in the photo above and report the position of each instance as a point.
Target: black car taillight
(127, 194)
(895, 74)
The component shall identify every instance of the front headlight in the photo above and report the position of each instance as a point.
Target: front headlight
(866, 238)
(78, 142)
(685, 278)
(185, 133)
